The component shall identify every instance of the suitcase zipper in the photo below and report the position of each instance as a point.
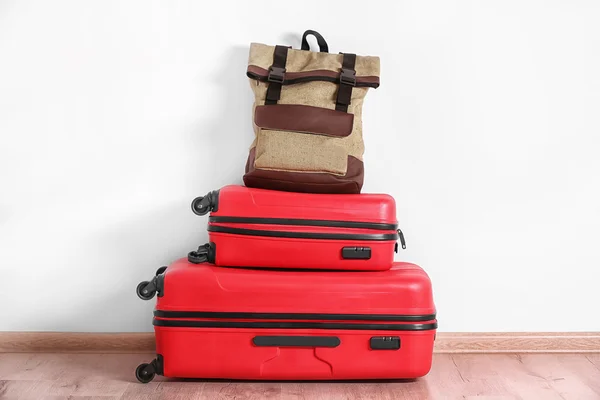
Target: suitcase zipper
(293, 316)
(179, 323)
(304, 235)
(402, 241)
(304, 222)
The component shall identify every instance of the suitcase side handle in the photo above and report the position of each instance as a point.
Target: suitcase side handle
(296, 341)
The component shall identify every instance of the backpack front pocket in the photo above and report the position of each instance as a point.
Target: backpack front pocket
(302, 138)
(299, 152)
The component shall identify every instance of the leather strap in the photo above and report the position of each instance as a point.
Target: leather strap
(323, 48)
(276, 75)
(347, 82)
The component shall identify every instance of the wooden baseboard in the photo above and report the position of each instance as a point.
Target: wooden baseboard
(537, 342)
(74, 342)
(510, 342)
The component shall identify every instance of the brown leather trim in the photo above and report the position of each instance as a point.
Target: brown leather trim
(261, 74)
(307, 182)
(304, 119)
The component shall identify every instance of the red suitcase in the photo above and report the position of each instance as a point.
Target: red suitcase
(230, 323)
(269, 229)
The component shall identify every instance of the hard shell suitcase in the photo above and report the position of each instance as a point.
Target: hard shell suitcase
(232, 323)
(269, 229)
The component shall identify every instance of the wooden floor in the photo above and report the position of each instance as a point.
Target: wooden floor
(493, 376)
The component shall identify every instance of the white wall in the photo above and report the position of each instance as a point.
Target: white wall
(114, 115)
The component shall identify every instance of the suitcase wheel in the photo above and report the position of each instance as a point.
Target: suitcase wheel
(160, 270)
(144, 292)
(145, 372)
(200, 207)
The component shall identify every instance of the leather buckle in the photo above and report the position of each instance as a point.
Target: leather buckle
(276, 74)
(348, 77)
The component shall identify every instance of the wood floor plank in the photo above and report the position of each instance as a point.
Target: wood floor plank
(74, 397)
(555, 370)
(313, 390)
(160, 390)
(242, 390)
(585, 370)
(355, 390)
(477, 377)
(411, 390)
(95, 375)
(444, 379)
(518, 380)
(594, 359)
(31, 367)
(24, 389)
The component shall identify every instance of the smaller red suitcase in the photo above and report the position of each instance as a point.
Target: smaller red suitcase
(269, 229)
(231, 323)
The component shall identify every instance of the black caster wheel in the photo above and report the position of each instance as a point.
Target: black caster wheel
(161, 270)
(144, 293)
(198, 208)
(145, 373)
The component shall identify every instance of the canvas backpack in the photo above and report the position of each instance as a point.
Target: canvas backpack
(307, 117)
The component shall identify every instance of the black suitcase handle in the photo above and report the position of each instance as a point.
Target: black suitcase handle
(296, 341)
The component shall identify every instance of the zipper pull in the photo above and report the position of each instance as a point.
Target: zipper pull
(402, 241)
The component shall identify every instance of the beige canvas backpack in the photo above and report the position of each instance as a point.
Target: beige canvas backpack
(307, 116)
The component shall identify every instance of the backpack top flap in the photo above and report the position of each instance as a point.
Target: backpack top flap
(306, 66)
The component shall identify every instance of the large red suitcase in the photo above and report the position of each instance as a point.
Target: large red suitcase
(231, 323)
(269, 229)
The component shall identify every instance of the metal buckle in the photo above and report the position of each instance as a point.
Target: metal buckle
(348, 77)
(276, 74)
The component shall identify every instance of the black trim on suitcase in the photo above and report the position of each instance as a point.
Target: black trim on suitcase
(304, 222)
(296, 316)
(304, 235)
(296, 341)
(292, 325)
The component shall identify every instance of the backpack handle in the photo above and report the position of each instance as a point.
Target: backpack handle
(323, 48)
